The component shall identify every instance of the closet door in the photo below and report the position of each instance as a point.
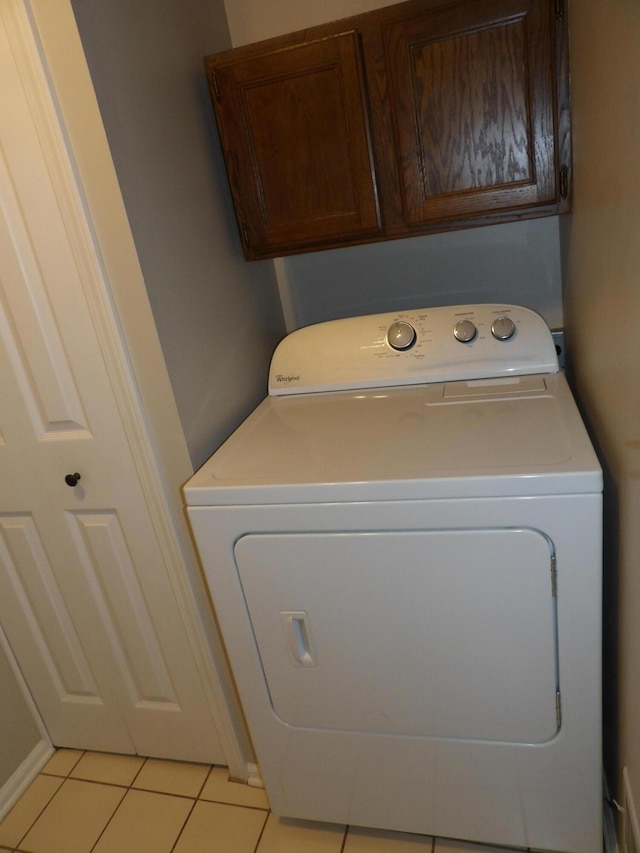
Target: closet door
(86, 599)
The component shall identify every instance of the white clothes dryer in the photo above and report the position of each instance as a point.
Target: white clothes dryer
(403, 547)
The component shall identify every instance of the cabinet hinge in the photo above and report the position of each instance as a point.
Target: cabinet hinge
(558, 709)
(554, 577)
(564, 182)
(560, 10)
(213, 77)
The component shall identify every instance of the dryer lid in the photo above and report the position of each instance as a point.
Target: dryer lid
(476, 438)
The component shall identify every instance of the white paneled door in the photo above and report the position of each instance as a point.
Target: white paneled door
(85, 596)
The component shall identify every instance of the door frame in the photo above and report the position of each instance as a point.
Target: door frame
(46, 44)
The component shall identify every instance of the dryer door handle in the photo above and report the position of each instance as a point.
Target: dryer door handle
(294, 625)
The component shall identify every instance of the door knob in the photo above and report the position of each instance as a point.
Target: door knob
(72, 479)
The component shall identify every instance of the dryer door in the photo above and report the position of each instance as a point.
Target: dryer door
(448, 634)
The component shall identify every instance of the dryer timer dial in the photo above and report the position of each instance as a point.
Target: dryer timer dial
(401, 335)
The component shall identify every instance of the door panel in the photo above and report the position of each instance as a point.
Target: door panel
(36, 618)
(29, 329)
(103, 553)
(447, 634)
(29, 580)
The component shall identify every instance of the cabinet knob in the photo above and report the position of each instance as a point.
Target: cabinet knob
(72, 479)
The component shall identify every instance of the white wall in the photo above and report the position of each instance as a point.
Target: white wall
(254, 20)
(518, 262)
(218, 318)
(602, 309)
(19, 733)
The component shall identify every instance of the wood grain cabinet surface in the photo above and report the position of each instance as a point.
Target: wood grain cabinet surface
(423, 116)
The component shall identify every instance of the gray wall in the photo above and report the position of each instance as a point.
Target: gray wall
(218, 317)
(518, 262)
(19, 734)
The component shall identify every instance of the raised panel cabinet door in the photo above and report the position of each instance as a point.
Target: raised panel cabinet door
(294, 127)
(473, 108)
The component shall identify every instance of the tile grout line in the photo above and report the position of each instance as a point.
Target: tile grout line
(149, 790)
(104, 828)
(50, 800)
(225, 802)
(129, 788)
(262, 831)
(139, 771)
(67, 778)
(182, 828)
(206, 779)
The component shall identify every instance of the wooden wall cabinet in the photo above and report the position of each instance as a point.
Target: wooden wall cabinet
(423, 116)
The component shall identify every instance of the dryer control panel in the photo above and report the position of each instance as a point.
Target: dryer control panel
(442, 344)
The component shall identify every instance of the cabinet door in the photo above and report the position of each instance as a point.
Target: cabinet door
(295, 133)
(472, 101)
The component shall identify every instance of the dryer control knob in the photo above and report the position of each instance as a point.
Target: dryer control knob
(401, 335)
(503, 328)
(465, 331)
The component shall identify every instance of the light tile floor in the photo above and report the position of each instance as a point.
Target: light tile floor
(88, 802)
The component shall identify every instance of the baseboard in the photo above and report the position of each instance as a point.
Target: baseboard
(254, 778)
(20, 780)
